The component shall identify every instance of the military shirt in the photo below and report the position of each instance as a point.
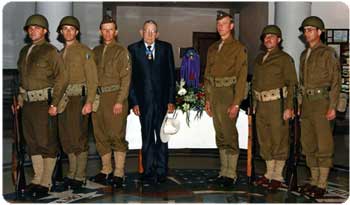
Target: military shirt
(114, 67)
(230, 61)
(81, 67)
(321, 70)
(277, 71)
(42, 68)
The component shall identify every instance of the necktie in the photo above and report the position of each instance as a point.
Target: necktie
(265, 56)
(29, 50)
(149, 53)
(220, 46)
(308, 54)
(305, 72)
(103, 54)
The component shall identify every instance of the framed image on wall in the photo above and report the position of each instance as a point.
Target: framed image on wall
(337, 35)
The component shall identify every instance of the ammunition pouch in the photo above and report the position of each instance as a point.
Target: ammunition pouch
(107, 89)
(76, 89)
(100, 90)
(219, 82)
(315, 93)
(270, 95)
(36, 95)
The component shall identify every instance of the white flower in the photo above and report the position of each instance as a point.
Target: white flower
(182, 92)
(186, 107)
(182, 83)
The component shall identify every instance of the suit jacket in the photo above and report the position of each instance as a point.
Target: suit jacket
(152, 82)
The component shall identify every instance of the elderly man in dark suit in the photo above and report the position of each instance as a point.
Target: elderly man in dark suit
(152, 95)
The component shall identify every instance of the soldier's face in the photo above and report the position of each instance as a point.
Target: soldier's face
(224, 26)
(149, 33)
(108, 32)
(36, 33)
(271, 41)
(69, 33)
(312, 34)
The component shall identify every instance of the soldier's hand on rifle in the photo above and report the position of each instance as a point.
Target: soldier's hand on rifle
(331, 114)
(233, 111)
(87, 109)
(288, 114)
(117, 109)
(208, 108)
(136, 110)
(52, 110)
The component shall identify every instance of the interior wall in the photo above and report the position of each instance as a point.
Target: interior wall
(14, 17)
(334, 14)
(253, 18)
(90, 16)
(175, 24)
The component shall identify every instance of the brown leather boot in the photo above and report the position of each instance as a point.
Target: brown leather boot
(274, 184)
(318, 192)
(262, 181)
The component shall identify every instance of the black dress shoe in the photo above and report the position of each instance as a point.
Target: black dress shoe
(161, 178)
(117, 182)
(147, 178)
(40, 191)
(102, 178)
(72, 183)
(229, 182)
(217, 179)
(30, 188)
(76, 184)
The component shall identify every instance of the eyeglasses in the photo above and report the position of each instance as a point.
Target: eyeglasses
(150, 31)
(308, 30)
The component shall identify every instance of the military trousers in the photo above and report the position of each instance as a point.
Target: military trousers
(272, 132)
(226, 134)
(316, 133)
(73, 127)
(39, 129)
(110, 129)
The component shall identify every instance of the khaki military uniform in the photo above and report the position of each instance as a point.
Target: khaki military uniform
(82, 87)
(225, 80)
(42, 68)
(114, 74)
(41, 71)
(274, 79)
(320, 81)
(275, 73)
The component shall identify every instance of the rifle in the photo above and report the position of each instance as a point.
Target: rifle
(294, 146)
(18, 152)
(250, 150)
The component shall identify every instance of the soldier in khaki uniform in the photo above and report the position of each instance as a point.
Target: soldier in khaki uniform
(114, 73)
(225, 80)
(274, 80)
(43, 80)
(320, 87)
(79, 97)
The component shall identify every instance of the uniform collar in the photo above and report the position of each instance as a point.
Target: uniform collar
(319, 44)
(75, 43)
(275, 50)
(111, 43)
(228, 40)
(40, 42)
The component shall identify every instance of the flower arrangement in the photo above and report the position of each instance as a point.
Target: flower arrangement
(190, 98)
